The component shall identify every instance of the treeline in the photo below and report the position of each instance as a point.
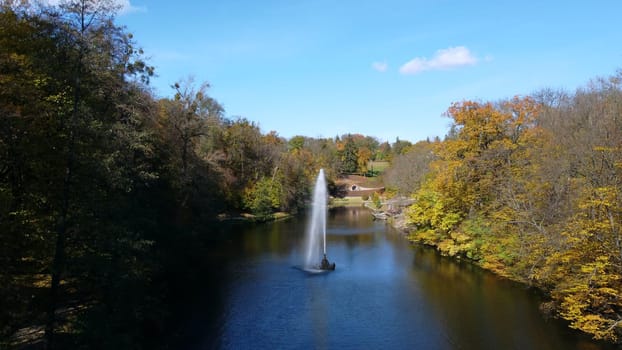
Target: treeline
(531, 188)
(108, 193)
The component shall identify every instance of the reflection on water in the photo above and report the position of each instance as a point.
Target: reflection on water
(384, 294)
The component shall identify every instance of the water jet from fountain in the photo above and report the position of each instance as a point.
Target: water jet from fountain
(316, 230)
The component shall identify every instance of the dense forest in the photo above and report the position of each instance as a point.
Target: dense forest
(108, 192)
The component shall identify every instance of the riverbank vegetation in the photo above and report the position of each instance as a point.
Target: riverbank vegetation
(531, 189)
(109, 194)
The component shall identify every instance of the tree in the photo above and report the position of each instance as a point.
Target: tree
(408, 171)
(296, 143)
(349, 156)
(400, 147)
(383, 152)
(363, 157)
(264, 197)
(186, 117)
(472, 165)
(185, 122)
(586, 268)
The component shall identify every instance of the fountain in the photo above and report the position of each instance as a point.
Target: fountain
(316, 230)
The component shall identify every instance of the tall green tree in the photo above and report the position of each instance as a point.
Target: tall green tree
(349, 155)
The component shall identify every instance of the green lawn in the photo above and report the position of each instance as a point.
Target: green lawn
(379, 166)
(346, 202)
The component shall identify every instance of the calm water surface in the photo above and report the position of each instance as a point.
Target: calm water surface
(384, 294)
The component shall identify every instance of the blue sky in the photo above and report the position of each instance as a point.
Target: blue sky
(388, 69)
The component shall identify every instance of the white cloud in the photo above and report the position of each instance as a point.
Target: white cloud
(380, 66)
(443, 59)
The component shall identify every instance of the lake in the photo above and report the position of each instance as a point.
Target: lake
(384, 294)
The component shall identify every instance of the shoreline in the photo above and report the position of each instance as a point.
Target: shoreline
(546, 308)
(247, 217)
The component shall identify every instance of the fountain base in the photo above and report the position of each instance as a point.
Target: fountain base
(325, 265)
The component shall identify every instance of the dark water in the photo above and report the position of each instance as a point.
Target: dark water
(384, 294)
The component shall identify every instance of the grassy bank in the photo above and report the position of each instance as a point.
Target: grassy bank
(346, 202)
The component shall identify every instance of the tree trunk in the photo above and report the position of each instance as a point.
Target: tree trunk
(58, 263)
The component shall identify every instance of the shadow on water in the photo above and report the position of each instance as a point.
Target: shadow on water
(194, 271)
(501, 314)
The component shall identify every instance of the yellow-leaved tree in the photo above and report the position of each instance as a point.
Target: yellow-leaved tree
(454, 207)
